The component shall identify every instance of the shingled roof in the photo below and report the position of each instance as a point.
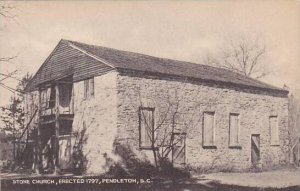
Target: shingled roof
(119, 59)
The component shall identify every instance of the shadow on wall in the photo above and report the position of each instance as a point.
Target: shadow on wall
(130, 165)
(79, 159)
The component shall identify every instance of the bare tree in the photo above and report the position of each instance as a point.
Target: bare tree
(13, 114)
(244, 56)
(174, 120)
(294, 127)
(6, 10)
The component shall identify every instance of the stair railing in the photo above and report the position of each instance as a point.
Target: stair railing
(24, 131)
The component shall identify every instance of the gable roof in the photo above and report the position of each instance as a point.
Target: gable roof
(119, 59)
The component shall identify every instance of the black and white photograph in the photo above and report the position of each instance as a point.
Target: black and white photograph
(150, 95)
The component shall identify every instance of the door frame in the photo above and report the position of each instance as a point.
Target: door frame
(68, 138)
(184, 148)
(251, 135)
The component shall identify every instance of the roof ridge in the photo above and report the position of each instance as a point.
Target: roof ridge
(168, 59)
(123, 59)
(88, 53)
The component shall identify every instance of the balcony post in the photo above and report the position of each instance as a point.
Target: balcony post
(38, 154)
(56, 143)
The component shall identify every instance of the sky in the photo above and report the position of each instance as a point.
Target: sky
(182, 30)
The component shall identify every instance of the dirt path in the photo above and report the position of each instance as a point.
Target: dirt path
(272, 179)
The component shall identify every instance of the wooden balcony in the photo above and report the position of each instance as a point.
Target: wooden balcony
(61, 110)
(57, 100)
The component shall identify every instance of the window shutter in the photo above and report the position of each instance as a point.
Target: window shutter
(52, 97)
(208, 129)
(26, 104)
(32, 104)
(43, 99)
(234, 130)
(274, 130)
(91, 86)
(86, 88)
(146, 126)
(48, 92)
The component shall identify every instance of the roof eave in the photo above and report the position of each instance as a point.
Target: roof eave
(280, 92)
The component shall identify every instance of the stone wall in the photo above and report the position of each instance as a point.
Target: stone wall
(98, 115)
(111, 116)
(253, 106)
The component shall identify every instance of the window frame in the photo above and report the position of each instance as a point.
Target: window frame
(88, 90)
(237, 145)
(31, 106)
(45, 94)
(92, 87)
(277, 141)
(85, 88)
(52, 102)
(152, 109)
(213, 145)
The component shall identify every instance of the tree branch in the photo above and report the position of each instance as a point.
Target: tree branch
(5, 11)
(243, 57)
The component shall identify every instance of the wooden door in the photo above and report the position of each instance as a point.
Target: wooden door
(47, 156)
(178, 151)
(255, 148)
(65, 153)
(47, 148)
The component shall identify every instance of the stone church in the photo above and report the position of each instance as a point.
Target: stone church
(93, 100)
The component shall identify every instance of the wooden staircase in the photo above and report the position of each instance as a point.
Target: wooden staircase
(26, 143)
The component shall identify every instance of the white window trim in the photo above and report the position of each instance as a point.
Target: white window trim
(213, 145)
(238, 144)
(277, 142)
(141, 146)
(87, 94)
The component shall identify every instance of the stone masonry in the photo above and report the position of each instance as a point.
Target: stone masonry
(111, 117)
(98, 116)
(253, 106)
